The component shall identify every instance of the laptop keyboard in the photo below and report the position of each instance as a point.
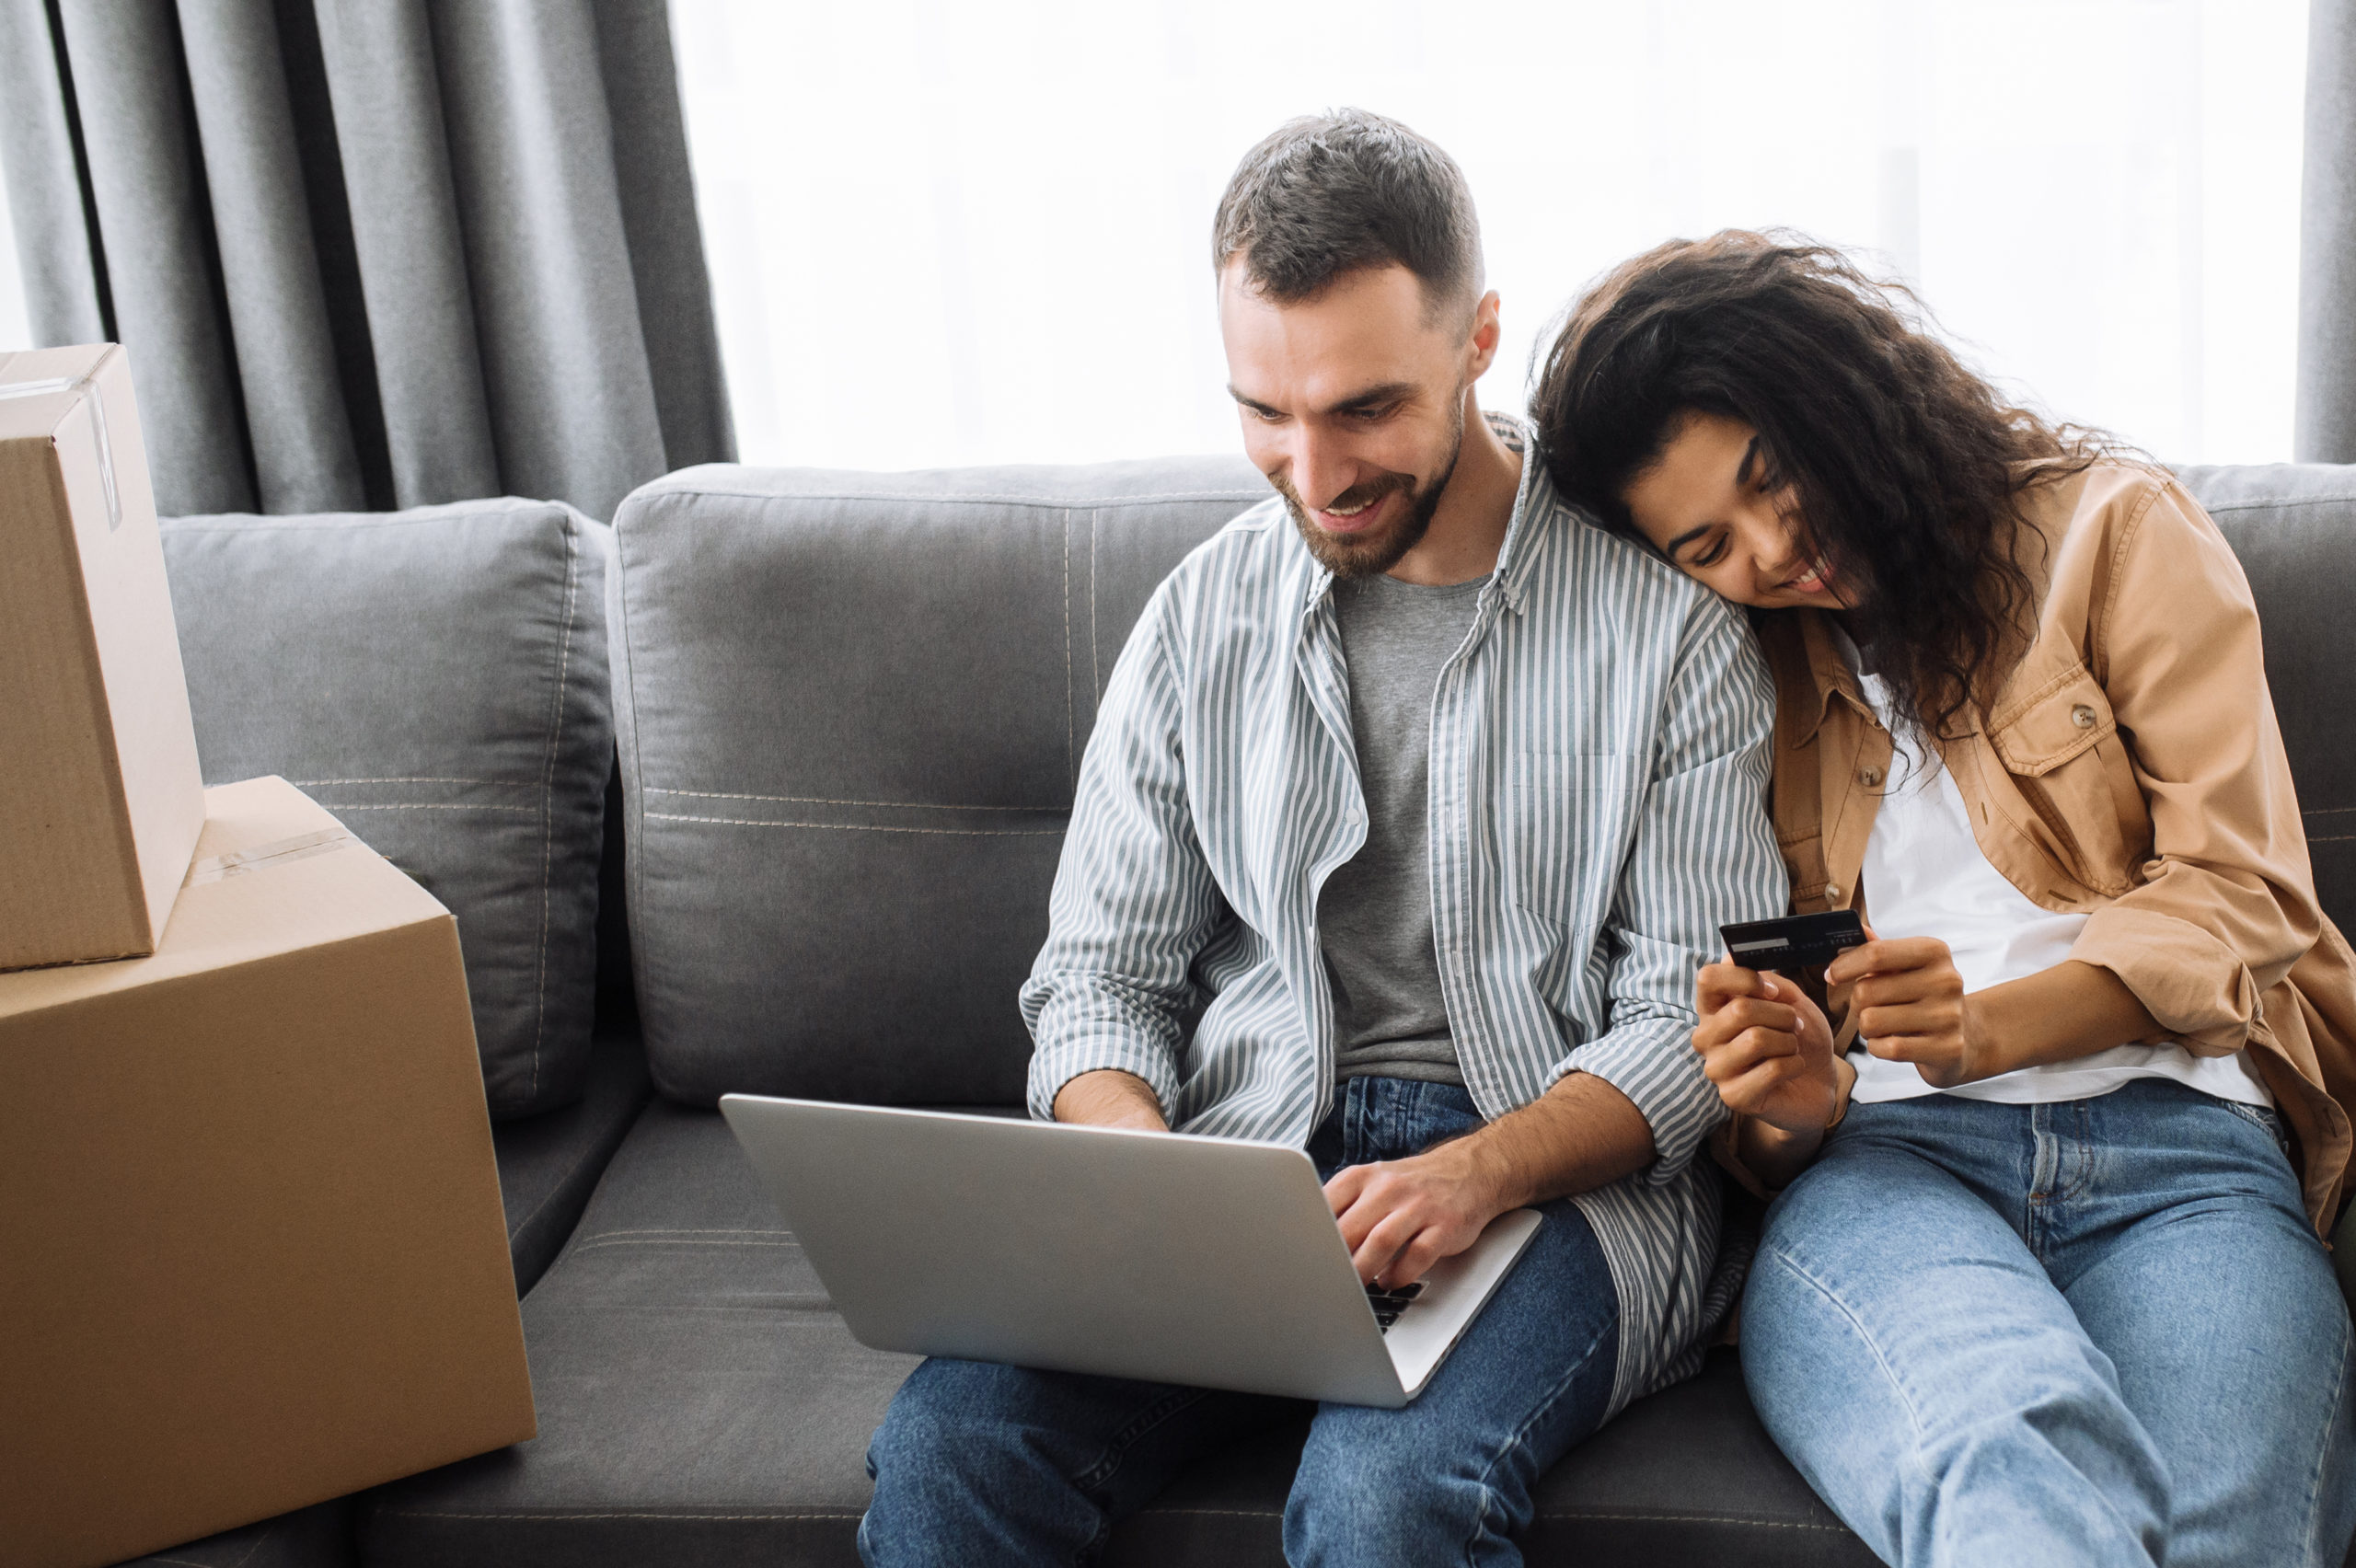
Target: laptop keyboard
(1388, 1303)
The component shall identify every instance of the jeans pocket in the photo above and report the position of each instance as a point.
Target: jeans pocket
(2265, 1119)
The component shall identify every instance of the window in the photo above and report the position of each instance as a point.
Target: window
(944, 232)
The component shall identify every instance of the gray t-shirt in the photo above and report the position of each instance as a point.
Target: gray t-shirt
(1374, 916)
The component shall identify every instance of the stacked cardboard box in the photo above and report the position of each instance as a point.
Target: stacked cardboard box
(103, 799)
(254, 1253)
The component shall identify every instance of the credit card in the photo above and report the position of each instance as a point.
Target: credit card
(1794, 942)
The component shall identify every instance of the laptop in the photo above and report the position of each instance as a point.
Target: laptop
(1170, 1257)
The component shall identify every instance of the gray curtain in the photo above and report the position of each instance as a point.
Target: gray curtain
(2326, 407)
(371, 253)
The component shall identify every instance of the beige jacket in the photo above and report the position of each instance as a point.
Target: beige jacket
(2132, 769)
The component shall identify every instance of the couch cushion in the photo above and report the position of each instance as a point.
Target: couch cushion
(852, 708)
(700, 1402)
(549, 1164)
(437, 679)
(2293, 526)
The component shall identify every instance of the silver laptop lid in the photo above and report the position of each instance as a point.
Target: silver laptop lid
(1178, 1259)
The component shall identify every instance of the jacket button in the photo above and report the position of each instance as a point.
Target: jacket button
(2082, 717)
(1869, 776)
(1832, 890)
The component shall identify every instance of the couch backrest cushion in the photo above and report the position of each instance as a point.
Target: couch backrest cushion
(851, 709)
(437, 679)
(2293, 526)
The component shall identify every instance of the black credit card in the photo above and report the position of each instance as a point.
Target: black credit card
(1794, 942)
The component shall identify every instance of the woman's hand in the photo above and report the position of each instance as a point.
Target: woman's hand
(1767, 1047)
(1908, 1005)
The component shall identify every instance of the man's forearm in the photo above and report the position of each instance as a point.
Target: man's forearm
(1580, 1135)
(1110, 1098)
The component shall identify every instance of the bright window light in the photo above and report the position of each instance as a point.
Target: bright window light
(944, 233)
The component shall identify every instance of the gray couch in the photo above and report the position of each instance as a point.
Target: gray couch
(848, 709)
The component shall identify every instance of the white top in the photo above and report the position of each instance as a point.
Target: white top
(1925, 876)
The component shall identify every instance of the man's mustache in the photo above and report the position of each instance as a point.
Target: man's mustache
(1364, 493)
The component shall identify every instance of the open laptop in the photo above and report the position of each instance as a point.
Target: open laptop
(1180, 1259)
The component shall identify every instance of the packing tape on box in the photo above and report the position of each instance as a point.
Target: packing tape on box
(98, 407)
(261, 856)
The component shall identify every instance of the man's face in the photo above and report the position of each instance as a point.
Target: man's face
(1353, 405)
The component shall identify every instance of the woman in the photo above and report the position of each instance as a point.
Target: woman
(2043, 1282)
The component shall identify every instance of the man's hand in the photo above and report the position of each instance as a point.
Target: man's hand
(1909, 1007)
(1110, 1098)
(1400, 1216)
(1767, 1047)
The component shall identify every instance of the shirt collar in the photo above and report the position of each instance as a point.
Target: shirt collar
(1828, 673)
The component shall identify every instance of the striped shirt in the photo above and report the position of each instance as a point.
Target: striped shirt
(1599, 757)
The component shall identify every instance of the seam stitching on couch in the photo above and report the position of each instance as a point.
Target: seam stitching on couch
(547, 800)
(1095, 660)
(690, 1230)
(429, 806)
(1707, 1519)
(2334, 839)
(489, 783)
(2267, 503)
(825, 801)
(868, 827)
(580, 1247)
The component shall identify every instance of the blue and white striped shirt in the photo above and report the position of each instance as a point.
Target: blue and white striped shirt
(1599, 759)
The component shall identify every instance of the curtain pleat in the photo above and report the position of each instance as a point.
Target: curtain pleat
(64, 280)
(139, 135)
(388, 125)
(658, 203)
(371, 253)
(302, 452)
(563, 356)
(2326, 420)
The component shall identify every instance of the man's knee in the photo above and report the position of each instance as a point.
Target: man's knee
(943, 1434)
(1370, 1504)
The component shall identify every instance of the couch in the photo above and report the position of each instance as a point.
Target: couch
(762, 789)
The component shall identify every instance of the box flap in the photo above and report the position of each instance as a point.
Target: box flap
(39, 386)
(273, 873)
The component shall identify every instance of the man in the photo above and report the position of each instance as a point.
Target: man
(1430, 797)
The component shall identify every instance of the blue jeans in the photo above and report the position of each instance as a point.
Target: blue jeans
(978, 1464)
(2099, 1331)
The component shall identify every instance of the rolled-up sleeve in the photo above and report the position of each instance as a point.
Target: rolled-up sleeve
(1704, 853)
(2226, 904)
(1134, 900)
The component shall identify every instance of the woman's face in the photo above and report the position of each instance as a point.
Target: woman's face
(1716, 507)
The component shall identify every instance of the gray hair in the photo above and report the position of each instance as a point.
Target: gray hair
(1331, 193)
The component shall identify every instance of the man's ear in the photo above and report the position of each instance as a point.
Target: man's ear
(1482, 346)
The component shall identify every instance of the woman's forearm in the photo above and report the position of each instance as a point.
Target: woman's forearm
(2060, 1014)
(1775, 1155)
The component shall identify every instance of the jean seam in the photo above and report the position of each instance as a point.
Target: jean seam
(2264, 1119)
(2323, 1446)
(1881, 1360)
(1520, 1435)
(1091, 1481)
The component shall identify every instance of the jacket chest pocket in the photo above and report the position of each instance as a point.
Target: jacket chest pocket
(1563, 818)
(2061, 751)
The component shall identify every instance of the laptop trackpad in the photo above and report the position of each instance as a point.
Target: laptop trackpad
(1453, 1294)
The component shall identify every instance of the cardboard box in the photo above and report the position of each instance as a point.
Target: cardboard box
(100, 799)
(251, 1248)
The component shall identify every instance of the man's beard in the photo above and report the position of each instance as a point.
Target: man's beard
(1356, 556)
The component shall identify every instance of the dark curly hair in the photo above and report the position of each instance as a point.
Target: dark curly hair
(1906, 470)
